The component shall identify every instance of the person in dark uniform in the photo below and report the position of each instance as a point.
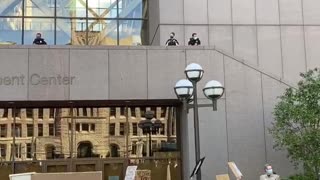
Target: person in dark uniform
(39, 40)
(172, 41)
(194, 40)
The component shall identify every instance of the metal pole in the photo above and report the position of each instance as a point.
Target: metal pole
(150, 151)
(72, 133)
(196, 127)
(184, 139)
(14, 141)
(32, 141)
(127, 133)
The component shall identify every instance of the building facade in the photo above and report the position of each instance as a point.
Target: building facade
(255, 48)
(96, 132)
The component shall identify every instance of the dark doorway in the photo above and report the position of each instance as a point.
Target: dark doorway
(50, 151)
(114, 149)
(85, 149)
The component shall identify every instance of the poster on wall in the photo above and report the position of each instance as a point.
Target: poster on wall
(131, 172)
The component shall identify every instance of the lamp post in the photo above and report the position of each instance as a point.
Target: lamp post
(149, 126)
(186, 91)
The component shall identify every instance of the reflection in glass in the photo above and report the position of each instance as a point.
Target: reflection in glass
(102, 9)
(132, 8)
(71, 31)
(102, 32)
(32, 26)
(132, 32)
(10, 30)
(11, 8)
(71, 8)
(39, 8)
(64, 131)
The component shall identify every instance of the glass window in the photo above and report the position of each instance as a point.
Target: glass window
(92, 127)
(18, 150)
(51, 129)
(112, 129)
(133, 9)
(84, 112)
(39, 8)
(4, 113)
(51, 113)
(29, 130)
(32, 26)
(71, 8)
(29, 113)
(3, 150)
(121, 132)
(78, 127)
(16, 113)
(10, 31)
(163, 111)
(11, 8)
(123, 111)
(17, 131)
(130, 32)
(133, 112)
(71, 32)
(102, 32)
(142, 112)
(102, 9)
(85, 127)
(162, 129)
(3, 130)
(134, 147)
(112, 111)
(28, 150)
(134, 129)
(40, 130)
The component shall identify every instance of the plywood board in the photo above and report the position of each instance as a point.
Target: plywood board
(235, 170)
(222, 177)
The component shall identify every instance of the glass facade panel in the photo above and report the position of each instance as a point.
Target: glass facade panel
(100, 135)
(39, 8)
(131, 32)
(10, 30)
(74, 22)
(11, 8)
(133, 9)
(71, 32)
(71, 8)
(102, 8)
(32, 26)
(102, 32)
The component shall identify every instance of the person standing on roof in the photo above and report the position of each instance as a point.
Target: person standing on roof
(172, 41)
(194, 40)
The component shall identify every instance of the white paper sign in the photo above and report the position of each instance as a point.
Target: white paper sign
(131, 172)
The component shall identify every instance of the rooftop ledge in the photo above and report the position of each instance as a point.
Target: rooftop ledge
(105, 47)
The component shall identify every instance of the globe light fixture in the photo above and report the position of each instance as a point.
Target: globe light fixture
(213, 90)
(194, 72)
(183, 89)
(186, 91)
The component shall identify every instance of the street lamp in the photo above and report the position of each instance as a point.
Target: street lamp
(149, 126)
(186, 91)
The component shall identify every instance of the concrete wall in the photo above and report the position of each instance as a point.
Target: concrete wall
(279, 36)
(236, 132)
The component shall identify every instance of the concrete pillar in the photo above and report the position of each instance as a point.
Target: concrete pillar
(184, 140)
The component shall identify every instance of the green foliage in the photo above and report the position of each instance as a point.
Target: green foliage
(297, 124)
(302, 177)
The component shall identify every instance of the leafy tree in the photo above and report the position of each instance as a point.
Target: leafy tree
(297, 124)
